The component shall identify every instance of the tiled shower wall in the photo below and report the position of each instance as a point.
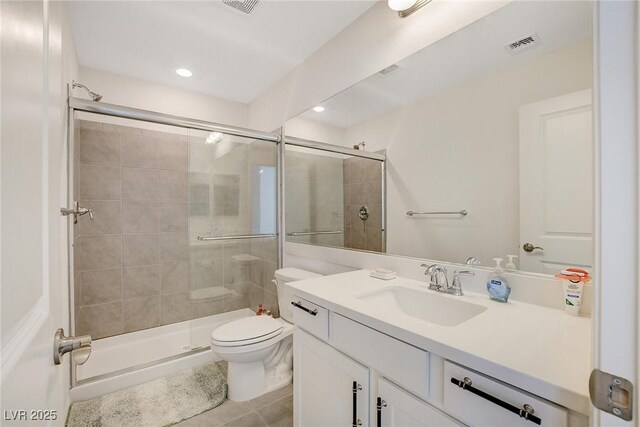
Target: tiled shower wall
(363, 187)
(134, 262)
(314, 196)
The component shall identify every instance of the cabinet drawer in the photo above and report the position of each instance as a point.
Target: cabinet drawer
(490, 402)
(311, 317)
(404, 364)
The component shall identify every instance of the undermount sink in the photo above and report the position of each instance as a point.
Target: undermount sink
(423, 305)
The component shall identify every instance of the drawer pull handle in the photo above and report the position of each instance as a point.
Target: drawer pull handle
(354, 389)
(525, 412)
(302, 307)
(380, 404)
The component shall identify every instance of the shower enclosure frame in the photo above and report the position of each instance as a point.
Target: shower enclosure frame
(113, 110)
(323, 146)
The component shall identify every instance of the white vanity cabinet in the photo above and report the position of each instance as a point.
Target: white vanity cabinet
(330, 388)
(348, 373)
(397, 408)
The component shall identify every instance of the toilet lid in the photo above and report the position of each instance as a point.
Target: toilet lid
(249, 330)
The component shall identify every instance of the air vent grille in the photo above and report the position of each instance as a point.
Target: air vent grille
(245, 6)
(523, 44)
(390, 69)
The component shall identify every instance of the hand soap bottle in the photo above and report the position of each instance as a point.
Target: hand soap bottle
(497, 285)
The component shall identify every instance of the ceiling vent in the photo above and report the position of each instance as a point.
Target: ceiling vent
(389, 70)
(245, 6)
(523, 44)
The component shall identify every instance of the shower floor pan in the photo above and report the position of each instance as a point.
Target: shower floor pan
(129, 359)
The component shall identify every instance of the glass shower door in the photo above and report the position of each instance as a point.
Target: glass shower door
(232, 230)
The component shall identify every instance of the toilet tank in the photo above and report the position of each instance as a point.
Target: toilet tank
(285, 297)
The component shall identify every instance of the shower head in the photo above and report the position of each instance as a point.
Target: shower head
(94, 96)
(357, 146)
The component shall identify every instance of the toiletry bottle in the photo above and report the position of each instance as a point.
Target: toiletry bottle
(260, 311)
(497, 285)
(510, 264)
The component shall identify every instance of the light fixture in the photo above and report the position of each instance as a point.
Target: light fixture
(183, 72)
(214, 137)
(399, 5)
(407, 7)
(318, 109)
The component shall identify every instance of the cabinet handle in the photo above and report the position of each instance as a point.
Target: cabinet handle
(525, 412)
(381, 404)
(302, 307)
(356, 421)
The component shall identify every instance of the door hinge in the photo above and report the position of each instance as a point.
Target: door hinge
(612, 394)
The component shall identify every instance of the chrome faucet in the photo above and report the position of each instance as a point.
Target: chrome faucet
(76, 211)
(438, 280)
(456, 287)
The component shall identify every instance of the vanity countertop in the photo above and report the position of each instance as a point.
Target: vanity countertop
(542, 350)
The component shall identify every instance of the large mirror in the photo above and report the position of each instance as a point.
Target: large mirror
(488, 141)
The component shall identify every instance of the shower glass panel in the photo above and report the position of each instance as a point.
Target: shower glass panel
(325, 194)
(144, 287)
(232, 229)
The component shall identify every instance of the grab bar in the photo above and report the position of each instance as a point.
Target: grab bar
(462, 212)
(241, 236)
(311, 233)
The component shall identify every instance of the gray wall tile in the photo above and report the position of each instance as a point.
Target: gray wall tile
(139, 151)
(174, 247)
(140, 217)
(140, 184)
(99, 252)
(140, 249)
(141, 313)
(174, 277)
(99, 287)
(99, 147)
(174, 186)
(99, 182)
(175, 308)
(174, 216)
(100, 321)
(174, 154)
(141, 281)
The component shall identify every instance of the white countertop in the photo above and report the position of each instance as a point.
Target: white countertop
(542, 350)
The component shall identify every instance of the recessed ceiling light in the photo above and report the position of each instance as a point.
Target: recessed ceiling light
(183, 72)
(318, 109)
(399, 5)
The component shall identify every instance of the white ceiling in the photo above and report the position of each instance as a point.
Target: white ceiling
(232, 55)
(471, 52)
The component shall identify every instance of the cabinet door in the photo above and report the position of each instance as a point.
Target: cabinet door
(323, 385)
(398, 408)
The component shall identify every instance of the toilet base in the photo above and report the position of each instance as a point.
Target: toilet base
(249, 380)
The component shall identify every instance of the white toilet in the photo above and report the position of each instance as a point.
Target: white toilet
(259, 348)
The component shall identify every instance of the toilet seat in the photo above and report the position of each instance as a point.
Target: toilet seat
(247, 331)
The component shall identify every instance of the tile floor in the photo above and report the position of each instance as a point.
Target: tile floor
(274, 409)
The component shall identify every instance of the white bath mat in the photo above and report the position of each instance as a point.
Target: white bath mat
(158, 403)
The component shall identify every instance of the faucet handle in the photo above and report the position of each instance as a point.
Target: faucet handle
(456, 287)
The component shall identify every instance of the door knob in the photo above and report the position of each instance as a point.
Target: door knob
(528, 247)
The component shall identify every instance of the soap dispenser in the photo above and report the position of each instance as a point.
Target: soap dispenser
(497, 285)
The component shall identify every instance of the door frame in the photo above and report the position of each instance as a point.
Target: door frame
(617, 203)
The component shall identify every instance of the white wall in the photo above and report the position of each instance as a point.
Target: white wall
(315, 131)
(374, 41)
(131, 92)
(459, 150)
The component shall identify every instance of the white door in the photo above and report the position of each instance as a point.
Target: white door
(556, 183)
(31, 275)
(398, 408)
(617, 123)
(323, 382)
